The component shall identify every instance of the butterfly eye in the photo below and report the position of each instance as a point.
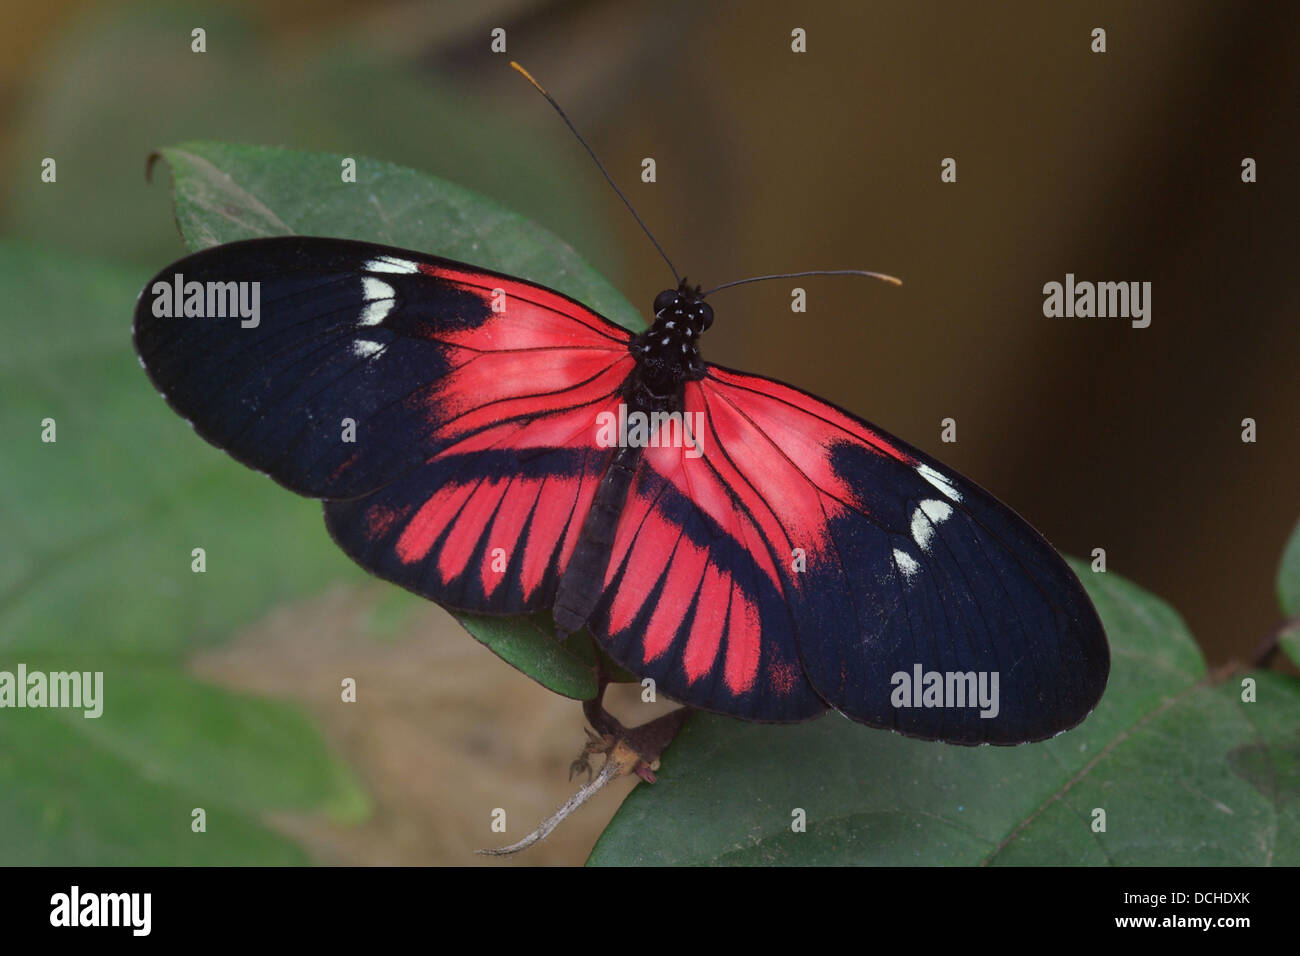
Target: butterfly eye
(705, 313)
(665, 300)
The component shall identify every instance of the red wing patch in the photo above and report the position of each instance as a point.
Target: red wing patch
(509, 497)
(693, 598)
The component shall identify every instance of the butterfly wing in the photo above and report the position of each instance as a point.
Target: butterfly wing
(693, 600)
(825, 542)
(443, 411)
(794, 557)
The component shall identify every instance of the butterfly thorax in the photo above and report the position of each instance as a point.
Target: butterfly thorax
(668, 353)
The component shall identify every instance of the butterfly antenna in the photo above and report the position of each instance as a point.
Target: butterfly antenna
(601, 166)
(818, 272)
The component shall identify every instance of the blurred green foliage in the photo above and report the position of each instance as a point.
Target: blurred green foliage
(96, 576)
(123, 83)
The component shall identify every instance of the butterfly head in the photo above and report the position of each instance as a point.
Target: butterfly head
(685, 307)
(669, 349)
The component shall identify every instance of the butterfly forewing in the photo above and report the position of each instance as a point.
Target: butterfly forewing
(362, 361)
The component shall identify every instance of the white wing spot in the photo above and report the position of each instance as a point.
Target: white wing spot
(379, 296)
(390, 264)
(365, 348)
(376, 312)
(907, 564)
(940, 481)
(937, 510)
(374, 289)
(928, 514)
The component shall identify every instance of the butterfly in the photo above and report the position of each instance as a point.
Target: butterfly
(501, 448)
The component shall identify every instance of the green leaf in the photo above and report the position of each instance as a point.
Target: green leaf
(1186, 773)
(121, 789)
(1288, 593)
(530, 644)
(227, 192)
(96, 575)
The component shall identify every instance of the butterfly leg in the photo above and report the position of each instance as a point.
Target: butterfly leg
(647, 740)
(596, 744)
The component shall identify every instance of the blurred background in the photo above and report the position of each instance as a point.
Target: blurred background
(1117, 166)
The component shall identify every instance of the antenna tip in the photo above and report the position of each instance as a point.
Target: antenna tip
(892, 280)
(514, 65)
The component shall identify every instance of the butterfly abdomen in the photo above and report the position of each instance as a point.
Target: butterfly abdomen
(583, 579)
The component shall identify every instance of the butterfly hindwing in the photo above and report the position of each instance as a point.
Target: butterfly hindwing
(693, 601)
(489, 528)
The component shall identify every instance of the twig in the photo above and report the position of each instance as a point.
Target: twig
(619, 761)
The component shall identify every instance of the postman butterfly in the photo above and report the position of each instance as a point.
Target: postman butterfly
(759, 552)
